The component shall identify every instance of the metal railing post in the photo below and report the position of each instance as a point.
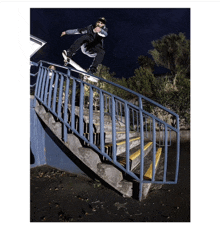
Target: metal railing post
(91, 115)
(127, 130)
(39, 79)
(102, 142)
(73, 105)
(114, 150)
(178, 150)
(81, 125)
(154, 150)
(165, 155)
(43, 83)
(66, 107)
(50, 89)
(142, 149)
(55, 93)
(60, 96)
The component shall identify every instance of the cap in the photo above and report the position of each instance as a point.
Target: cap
(102, 19)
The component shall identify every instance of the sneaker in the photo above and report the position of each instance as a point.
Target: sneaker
(65, 53)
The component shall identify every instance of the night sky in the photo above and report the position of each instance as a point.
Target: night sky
(130, 33)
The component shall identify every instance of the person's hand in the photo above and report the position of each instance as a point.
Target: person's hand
(63, 33)
(97, 29)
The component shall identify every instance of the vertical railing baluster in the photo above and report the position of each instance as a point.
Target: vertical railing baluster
(46, 88)
(110, 105)
(137, 122)
(60, 96)
(170, 135)
(178, 149)
(165, 155)
(50, 89)
(121, 110)
(145, 121)
(116, 104)
(142, 149)
(55, 93)
(159, 125)
(91, 115)
(66, 108)
(73, 105)
(127, 131)
(81, 125)
(40, 82)
(154, 150)
(114, 150)
(133, 117)
(39, 79)
(102, 142)
(43, 84)
(106, 104)
(164, 135)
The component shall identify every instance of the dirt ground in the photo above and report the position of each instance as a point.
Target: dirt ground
(58, 196)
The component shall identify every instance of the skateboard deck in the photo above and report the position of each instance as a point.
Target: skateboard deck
(77, 67)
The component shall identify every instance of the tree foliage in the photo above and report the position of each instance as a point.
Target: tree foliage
(146, 62)
(173, 53)
(142, 82)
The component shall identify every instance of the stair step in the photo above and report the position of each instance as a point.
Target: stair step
(121, 144)
(135, 156)
(120, 135)
(148, 175)
(138, 153)
(108, 127)
(107, 171)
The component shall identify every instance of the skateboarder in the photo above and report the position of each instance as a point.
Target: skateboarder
(91, 42)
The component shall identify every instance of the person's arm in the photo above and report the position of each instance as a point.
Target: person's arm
(74, 31)
(101, 32)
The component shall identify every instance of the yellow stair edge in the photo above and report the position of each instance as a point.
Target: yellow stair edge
(149, 173)
(133, 139)
(137, 153)
(123, 142)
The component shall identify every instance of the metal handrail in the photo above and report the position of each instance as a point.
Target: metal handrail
(55, 91)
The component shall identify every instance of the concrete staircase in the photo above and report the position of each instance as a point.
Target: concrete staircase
(102, 167)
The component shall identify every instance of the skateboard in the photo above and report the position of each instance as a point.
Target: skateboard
(77, 67)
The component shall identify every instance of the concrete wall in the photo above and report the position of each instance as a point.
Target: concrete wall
(184, 136)
(37, 138)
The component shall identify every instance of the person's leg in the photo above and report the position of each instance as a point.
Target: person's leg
(97, 60)
(77, 44)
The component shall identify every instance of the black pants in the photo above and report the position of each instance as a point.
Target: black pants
(92, 48)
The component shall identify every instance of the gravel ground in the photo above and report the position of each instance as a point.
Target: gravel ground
(58, 196)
